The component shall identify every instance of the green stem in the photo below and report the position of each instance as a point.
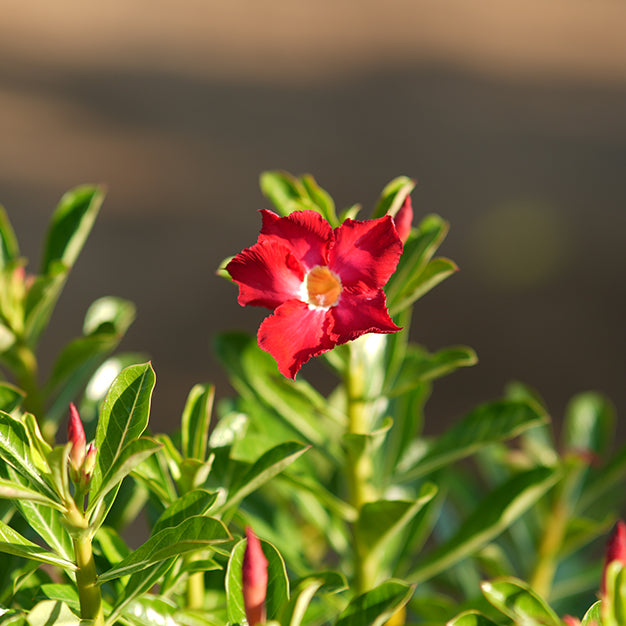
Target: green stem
(358, 468)
(195, 591)
(86, 575)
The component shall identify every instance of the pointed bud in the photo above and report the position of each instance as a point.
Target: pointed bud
(404, 219)
(254, 579)
(615, 550)
(89, 463)
(76, 434)
(571, 621)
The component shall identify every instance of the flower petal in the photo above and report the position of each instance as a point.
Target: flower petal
(294, 334)
(306, 233)
(404, 219)
(268, 274)
(358, 313)
(366, 251)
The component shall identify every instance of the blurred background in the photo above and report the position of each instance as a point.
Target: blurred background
(511, 116)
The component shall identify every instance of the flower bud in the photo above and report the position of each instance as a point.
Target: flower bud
(615, 550)
(89, 463)
(76, 435)
(254, 579)
(571, 621)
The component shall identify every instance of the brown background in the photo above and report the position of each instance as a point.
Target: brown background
(512, 116)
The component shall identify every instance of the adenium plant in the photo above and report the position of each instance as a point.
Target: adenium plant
(359, 518)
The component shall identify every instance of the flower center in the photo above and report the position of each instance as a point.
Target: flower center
(322, 287)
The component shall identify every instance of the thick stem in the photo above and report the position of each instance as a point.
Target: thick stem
(358, 469)
(195, 591)
(86, 575)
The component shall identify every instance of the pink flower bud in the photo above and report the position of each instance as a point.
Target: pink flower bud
(615, 550)
(89, 463)
(76, 434)
(571, 621)
(403, 219)
(254, 579)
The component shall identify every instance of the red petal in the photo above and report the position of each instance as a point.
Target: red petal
(268, 274)
(306, 233)
(366, 251)
(403, 219)
(360, 313)
(294, 334)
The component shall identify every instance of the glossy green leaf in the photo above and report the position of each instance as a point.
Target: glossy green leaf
(254, 375)
(435, 272)
(196, 420)
(382, 521)
(123, 418)
(150, 610)
(62, 593)
(131, 455)
(10, 397)
(375, 607)
(266, 467)
(589, 424)
(420, 366)
(11, 490)
(496, 512)
(9, 249)
(393, 196)
(485, 425)
(277, 582)
(321, 198)
(614, 600)
(52, 613)
(70, 225)
(518, 601)
(282, 189)
(106, 322)
(196, 502)
(470, 618)
(593, 617)
(48, 524)
(11, 542)
(15, 450)
(195, 533)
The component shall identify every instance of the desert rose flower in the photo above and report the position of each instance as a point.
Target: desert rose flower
(324, 285)
(615, 551)
(254, 579)
(403, 219)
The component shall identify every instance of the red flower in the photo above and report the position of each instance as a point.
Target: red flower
(254, 579)
(324, 285)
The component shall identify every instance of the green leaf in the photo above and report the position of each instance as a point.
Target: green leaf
(196, 502)
(266, 467)
(375, 607)
(589, 424)
(11, 542)
(487, 424)
(9, 249)
(435, 272)
(70, 226)
(277, 582)
(419, 366)
(382, 521)
(196, 420)
(10, 397)
(123, 418)
(470, 618)
(62, 593)
(496, 512)
(52, 613)
(10, 490)
(133, 453)
(614, 600)
(518, 601)
(106, 322)
(321, 198)
(282, 189)
(195, 533)
(393, 196)
(15, 450)
(593, 617)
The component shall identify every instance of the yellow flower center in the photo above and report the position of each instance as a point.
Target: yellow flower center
(323, 287)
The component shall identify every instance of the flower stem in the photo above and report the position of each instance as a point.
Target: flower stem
(358, 466)
(195, 590)
(86, 575)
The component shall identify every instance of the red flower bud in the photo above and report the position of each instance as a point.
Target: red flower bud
(571, 621)
(403, 219)
(254, 579)
(76, 434)
(89, 463)
(615, 550)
